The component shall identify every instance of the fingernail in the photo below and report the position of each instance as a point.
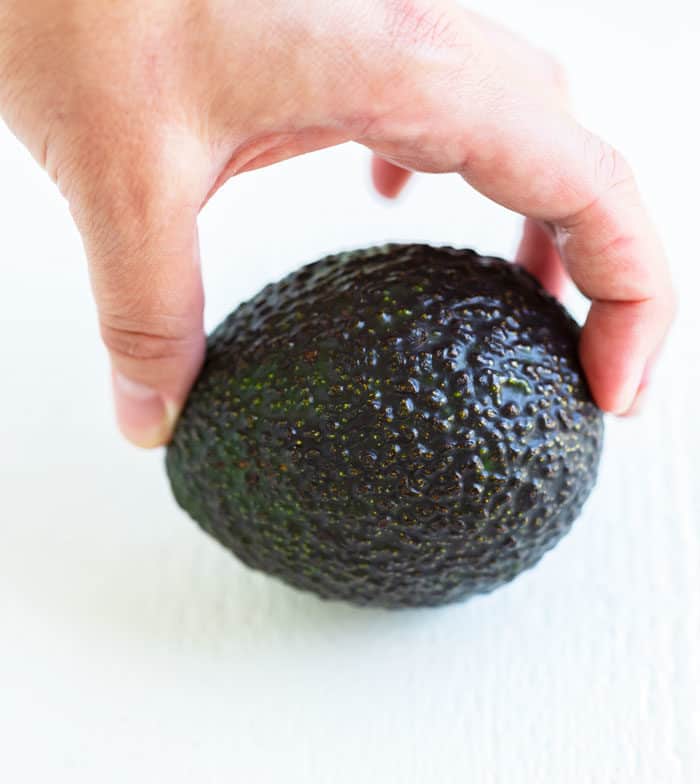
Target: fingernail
(640, 395)
(639, 402)
(625, 399)
(144, 416)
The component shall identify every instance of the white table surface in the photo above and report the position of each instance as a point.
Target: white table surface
(134, 649)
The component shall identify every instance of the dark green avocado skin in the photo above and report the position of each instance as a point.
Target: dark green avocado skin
(398, 426)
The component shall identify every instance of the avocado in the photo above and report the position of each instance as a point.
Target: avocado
(397, 426)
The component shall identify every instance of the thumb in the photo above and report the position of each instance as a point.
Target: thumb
(143, 251)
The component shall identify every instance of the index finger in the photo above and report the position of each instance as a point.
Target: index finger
(615, 257)
(586, 191)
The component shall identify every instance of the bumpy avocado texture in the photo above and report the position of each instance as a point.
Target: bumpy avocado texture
(397, 426)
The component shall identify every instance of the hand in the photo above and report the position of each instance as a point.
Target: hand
(141, 111)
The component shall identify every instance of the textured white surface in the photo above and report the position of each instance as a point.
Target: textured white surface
(133, 649)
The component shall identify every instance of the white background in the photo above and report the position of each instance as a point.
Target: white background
(134, 649)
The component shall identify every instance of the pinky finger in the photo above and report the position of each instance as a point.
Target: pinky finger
(388, 178)
(539, 256)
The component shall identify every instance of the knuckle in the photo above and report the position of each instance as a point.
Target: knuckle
(606, 170)
(147, 344)
(610, 168)
(418, 24)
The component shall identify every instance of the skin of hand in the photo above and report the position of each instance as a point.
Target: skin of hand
(139, 112)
